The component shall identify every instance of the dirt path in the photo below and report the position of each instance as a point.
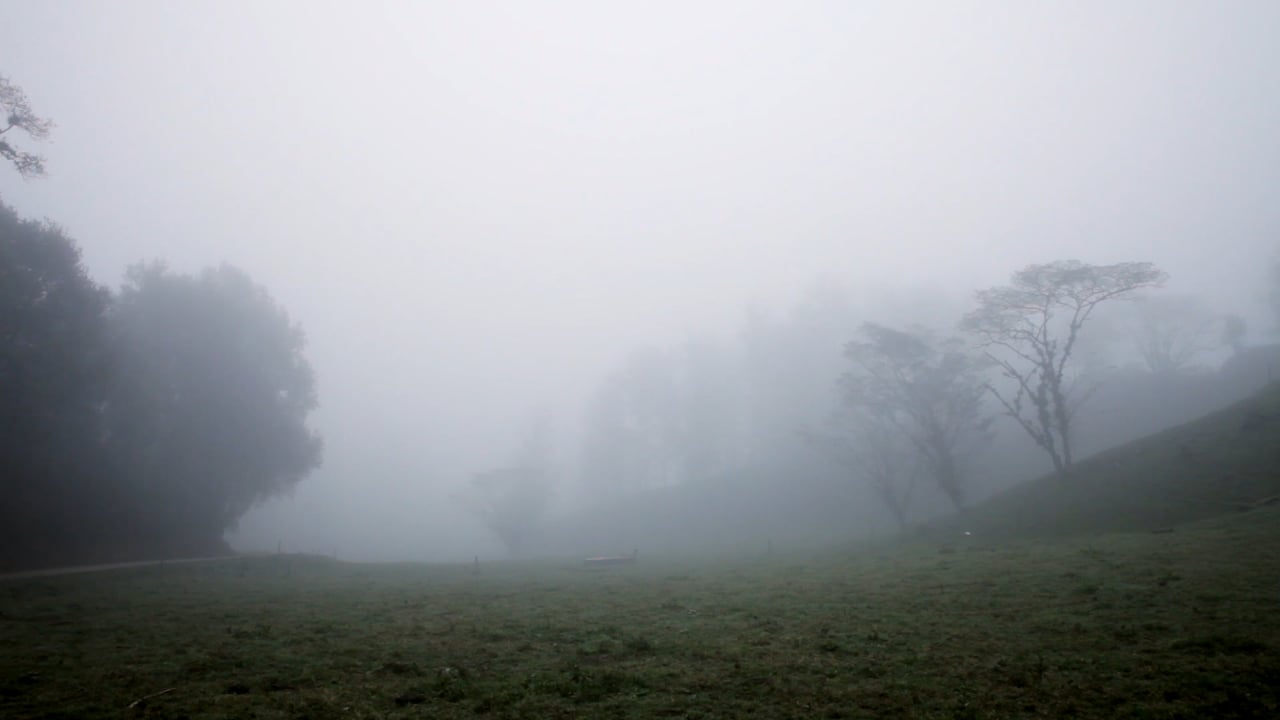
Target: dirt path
(68, 570)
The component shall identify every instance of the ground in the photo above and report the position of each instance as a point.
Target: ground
(1170, 624)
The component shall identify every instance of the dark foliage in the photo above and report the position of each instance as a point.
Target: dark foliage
(142, 425)
(207, 411)
(53, 378)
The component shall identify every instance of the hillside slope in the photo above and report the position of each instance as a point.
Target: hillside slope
(1228, 461)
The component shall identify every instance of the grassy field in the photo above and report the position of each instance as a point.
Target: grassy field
(1178, 624)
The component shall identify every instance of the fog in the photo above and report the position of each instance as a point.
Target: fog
(479, 211)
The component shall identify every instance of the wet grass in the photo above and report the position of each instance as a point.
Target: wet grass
(1178, 624)
(1221, 463)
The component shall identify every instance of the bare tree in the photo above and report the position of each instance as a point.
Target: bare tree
(1029, 328)
(928, 392)
(18, 114)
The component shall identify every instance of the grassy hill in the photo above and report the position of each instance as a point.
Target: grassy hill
(1225, 462)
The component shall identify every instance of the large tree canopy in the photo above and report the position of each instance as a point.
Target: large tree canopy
(144, 424)
(208, 415)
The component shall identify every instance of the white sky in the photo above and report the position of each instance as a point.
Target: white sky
(474, 208)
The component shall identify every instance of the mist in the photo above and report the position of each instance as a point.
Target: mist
(479, 214)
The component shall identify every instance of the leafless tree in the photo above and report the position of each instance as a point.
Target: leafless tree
(1029, 328)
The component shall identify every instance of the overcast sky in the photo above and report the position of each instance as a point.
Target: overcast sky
(474, 209)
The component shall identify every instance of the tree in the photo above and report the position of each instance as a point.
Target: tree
(513, 499)
(208, 414)
(1169, 331)
(635, 438)
(54, 372)
(510, 501)
(709, 393)
(1234, 332)
(927, 392)
(19, 115)
(877, 454)
(1030, 327)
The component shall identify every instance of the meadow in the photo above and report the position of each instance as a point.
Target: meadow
(1180, 623)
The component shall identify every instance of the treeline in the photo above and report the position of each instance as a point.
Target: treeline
(900, 415)
(140, 423)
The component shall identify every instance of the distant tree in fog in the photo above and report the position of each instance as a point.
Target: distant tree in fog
(635, 434)
(54, 373)
(1274, 295)
(18, 115)
(710, 400)
(876, 453)
(512, 500)
(1030, 328)
(1234, 331)
(208, 414)
(929, 393)
(788, 361)
(1170, 331)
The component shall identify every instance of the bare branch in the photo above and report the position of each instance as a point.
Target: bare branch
(18, 114)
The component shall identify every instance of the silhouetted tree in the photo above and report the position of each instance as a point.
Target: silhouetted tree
(1030, 327)
(208, 414)
(53, 374)
(18, 115)
(929, 393)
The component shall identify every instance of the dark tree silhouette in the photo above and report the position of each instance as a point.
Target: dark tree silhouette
(53, 373)
(208, 415)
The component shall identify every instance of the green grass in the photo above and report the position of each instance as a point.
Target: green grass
(1062, 602)
(1171, 625)
(1221, 463)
